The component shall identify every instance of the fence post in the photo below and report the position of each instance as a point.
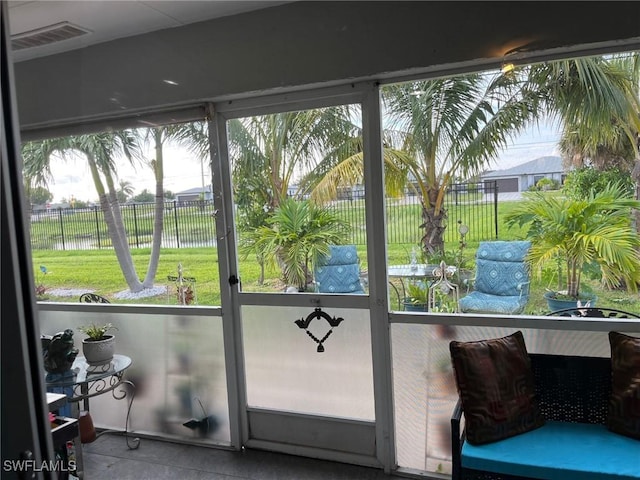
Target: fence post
(95, 210)
(61, 227)
(175, 217)
(135, 225)
(495, 205)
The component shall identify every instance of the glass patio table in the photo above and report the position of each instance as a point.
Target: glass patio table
(408, 272)
(84, 381)
(413, 272)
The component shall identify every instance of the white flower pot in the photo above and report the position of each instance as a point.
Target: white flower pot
(99, 352)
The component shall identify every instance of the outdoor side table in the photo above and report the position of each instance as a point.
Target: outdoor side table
(420, 271)
(84, 381)
(410, 273)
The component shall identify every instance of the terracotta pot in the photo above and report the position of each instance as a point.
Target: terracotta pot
(99, 352)
(85, 425)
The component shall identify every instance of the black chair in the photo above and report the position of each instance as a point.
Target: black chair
(92, 298)
(593, 312)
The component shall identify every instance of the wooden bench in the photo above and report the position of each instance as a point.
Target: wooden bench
(573, 394)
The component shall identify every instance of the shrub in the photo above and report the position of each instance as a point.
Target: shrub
(547, 184)
(580, 182)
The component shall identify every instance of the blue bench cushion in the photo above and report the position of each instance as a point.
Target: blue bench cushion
(478, 302)
(559, 451)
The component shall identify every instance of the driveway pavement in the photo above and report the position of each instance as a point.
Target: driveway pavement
(509, 196)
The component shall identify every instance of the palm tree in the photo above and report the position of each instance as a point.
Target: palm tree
(295, 237)
(438, 130)
(597, 101)
(581, 232)
(159, 136)
(99, 151)
(125, 190)
(448, 128)
(268, 152)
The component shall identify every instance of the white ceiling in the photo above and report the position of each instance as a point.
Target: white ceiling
(108, 20)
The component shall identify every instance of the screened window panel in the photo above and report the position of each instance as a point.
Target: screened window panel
(178, 369)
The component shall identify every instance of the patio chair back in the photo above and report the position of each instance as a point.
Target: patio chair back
(502, 279)
(339, 272)
(92, 298)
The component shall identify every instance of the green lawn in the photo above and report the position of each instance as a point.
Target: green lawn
(98, 270)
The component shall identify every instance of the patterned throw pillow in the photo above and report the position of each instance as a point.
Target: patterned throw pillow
(496, 387)
(624, 403)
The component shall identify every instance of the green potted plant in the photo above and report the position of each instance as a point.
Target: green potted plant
(294, 238)
(99, 346)
(417, 297)
(580, 233)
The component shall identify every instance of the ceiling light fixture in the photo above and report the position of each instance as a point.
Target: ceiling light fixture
(518, 55)
(507, 67)
(508, 60)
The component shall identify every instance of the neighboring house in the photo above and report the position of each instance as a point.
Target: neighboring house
(353, 192)
(194, 194)
(521, 177)
(293, 191)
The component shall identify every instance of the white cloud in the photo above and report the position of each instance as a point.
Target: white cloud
(72, 177)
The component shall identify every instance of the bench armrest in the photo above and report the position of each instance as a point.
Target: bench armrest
(456, 441)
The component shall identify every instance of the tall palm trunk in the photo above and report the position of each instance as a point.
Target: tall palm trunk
(433, 224)
(158, 221)
(114, 227)
(119, 221)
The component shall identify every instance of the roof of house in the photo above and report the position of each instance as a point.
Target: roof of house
(550, 164)
(195, 190)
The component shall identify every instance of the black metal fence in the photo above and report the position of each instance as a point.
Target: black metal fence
(186, 224)
(192, 224)
(472, 204)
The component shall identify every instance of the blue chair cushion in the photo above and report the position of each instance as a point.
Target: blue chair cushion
(504, 251)
(500, 278)
(341, 255)
(559, 451)
(479, 302)
(338, 279)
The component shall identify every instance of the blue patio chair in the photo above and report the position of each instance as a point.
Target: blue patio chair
(502, 279)
(339, 272)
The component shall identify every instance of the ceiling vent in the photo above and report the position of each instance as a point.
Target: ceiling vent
(47, 35)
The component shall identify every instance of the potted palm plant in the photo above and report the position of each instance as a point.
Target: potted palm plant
(295, 237)
(417, 297)
(595, 231)
(99, 346)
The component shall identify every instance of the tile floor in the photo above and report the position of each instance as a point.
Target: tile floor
(109, 458)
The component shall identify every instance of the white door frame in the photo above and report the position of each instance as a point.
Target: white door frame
(367, 95)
